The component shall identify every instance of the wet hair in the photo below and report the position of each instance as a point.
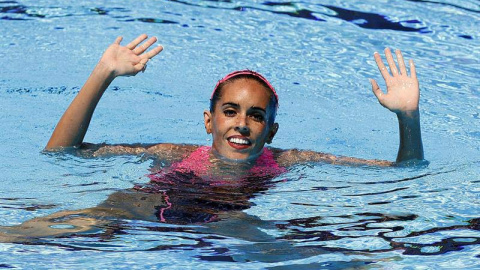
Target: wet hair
(272, 104)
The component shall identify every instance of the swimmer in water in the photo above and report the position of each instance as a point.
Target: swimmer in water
(241, 117)
(205, 184)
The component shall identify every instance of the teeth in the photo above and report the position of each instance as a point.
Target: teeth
(238, 141)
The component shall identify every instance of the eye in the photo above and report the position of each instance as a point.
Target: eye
(258, 117)
(229, 113)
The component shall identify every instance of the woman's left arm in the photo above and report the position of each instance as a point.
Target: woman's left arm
(402, 98)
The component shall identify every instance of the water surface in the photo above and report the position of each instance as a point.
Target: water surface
(318, 55)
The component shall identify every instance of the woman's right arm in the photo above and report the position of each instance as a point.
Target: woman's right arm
(116, 61)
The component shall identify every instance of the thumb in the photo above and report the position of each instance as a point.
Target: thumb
(376, 90)
(118, 40)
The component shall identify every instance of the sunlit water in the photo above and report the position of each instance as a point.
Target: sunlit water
(318, 54)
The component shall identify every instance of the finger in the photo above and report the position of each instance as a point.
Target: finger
(150, 54)
(136, 41)
(140, 66)
(391, 62)
(118, 40)
(381, 66)
(401, 62)
(376, 90)
(140, 49)
(413, 72)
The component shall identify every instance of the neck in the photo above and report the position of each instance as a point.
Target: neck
(250, 160)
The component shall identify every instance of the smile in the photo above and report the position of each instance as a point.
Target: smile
(239, 140)
(239, 143)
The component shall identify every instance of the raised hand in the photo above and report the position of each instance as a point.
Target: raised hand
(130, 59)
(403, 93)
(402, 98)
(116, 61)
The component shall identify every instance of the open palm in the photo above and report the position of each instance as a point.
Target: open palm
(403, 91)
(130, 59)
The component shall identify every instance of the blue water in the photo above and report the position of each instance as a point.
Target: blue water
(318, 55)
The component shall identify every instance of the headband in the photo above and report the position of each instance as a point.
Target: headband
(245, 72)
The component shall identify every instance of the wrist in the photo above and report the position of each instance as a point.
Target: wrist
(105, 70)
(408, 114)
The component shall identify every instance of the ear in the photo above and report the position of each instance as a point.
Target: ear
(272, 132)
(207, 119)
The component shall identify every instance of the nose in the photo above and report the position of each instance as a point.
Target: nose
(244, 130)
(242, 126)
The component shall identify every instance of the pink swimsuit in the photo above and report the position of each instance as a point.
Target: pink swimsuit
(199, 163)
(190, 177)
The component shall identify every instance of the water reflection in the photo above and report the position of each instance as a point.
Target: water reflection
(15, 11)
(187, 212)
(361, 19)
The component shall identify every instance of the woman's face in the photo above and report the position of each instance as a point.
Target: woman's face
(239, 123)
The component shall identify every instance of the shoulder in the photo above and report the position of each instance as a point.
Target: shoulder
(170, 151)
(164, 151)
(290, 157)
(162, 147)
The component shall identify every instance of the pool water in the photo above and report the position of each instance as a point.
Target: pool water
(319, 56)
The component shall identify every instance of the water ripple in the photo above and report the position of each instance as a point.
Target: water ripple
(12, 10)
(361, 19)
(376, 193)
(457, 6)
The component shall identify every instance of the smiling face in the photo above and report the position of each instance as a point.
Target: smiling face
(239, 121)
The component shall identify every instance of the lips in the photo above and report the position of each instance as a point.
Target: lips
(239, 142)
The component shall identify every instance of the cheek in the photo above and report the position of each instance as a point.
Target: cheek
(219, 123)
(260, 129)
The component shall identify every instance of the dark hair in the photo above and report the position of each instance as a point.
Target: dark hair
(272, 104)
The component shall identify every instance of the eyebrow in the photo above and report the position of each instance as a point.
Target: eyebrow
(259, 109)
(236, 105)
